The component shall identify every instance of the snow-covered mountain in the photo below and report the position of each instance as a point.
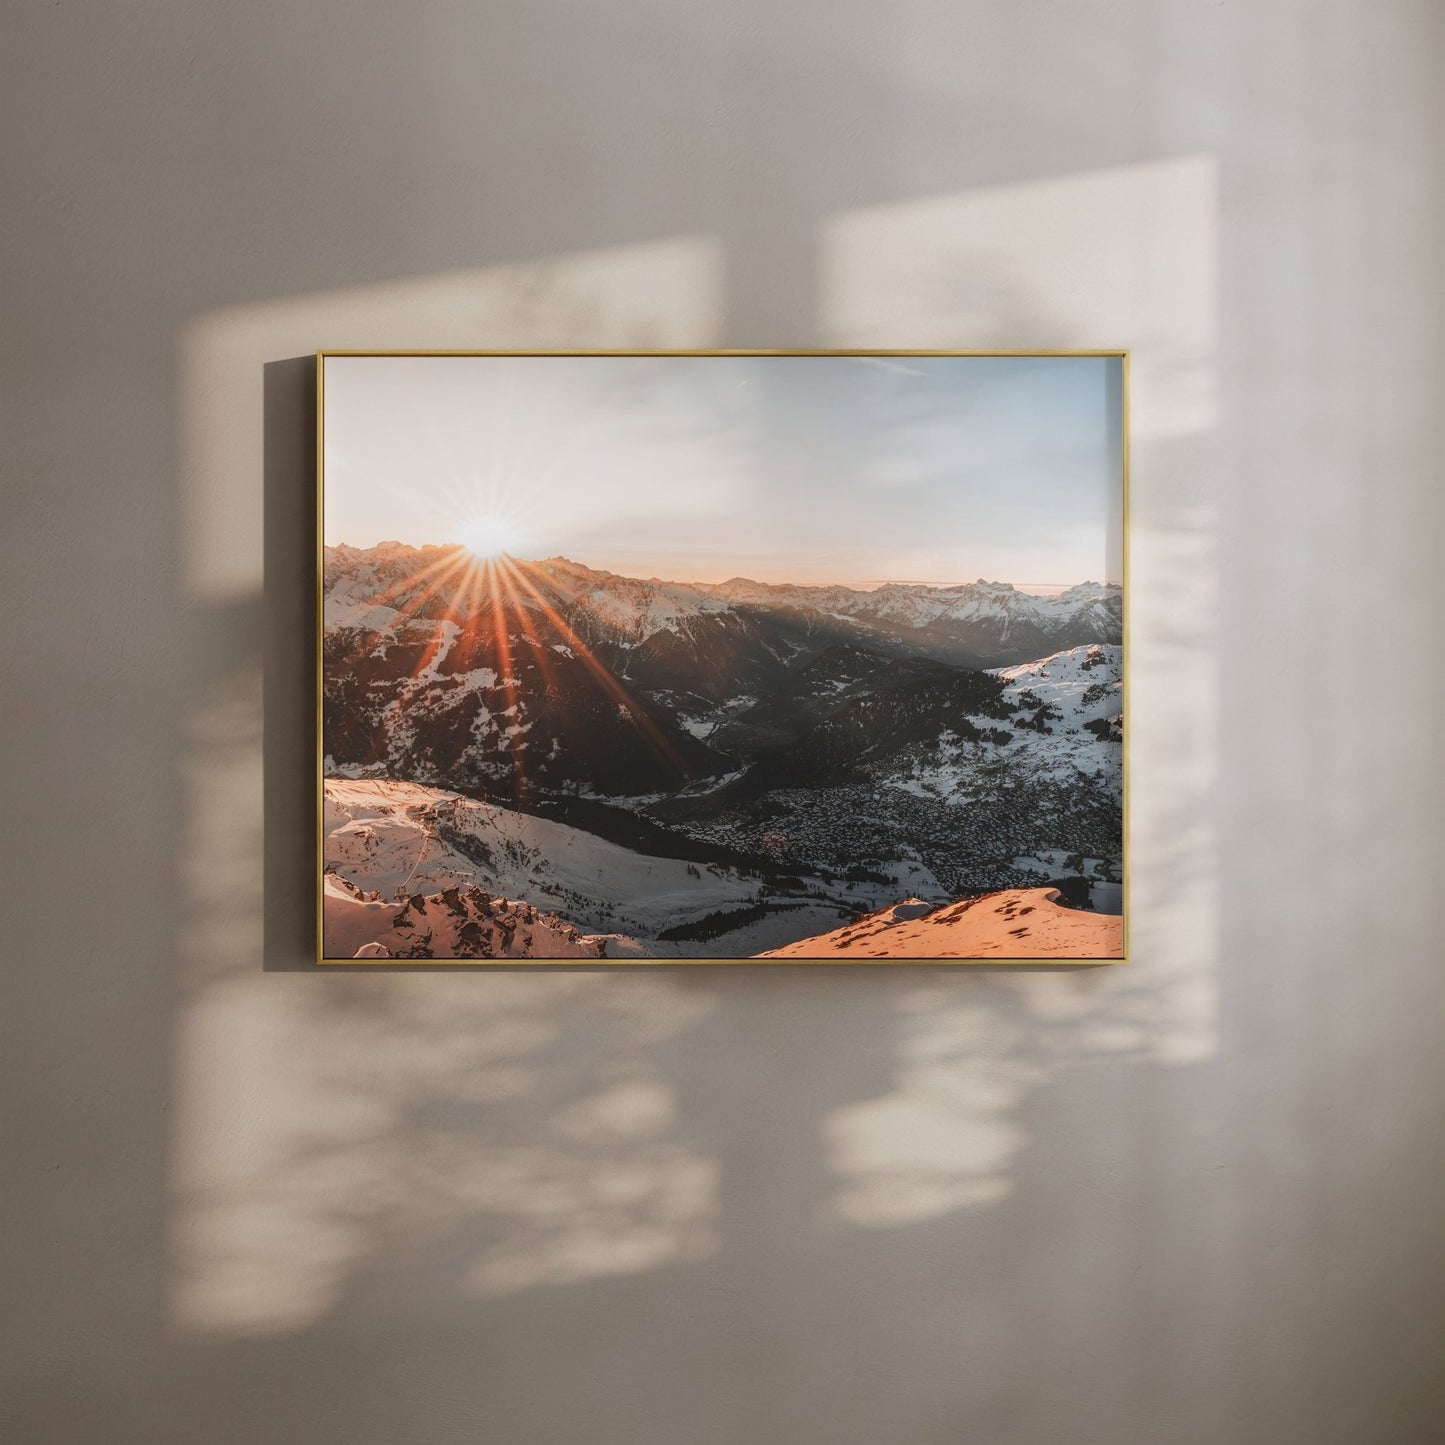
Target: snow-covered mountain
(398, 840)
(971, 623)
(417, 872)
(1013, 923)
(552, 675)
(461, 922)
(984, 780)
(955, 623)
(1061, 722)
(675, 767)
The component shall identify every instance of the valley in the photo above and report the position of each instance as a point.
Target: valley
(708, 770)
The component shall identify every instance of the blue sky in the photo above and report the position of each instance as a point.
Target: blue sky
(803, 469)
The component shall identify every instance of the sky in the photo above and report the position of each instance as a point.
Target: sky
(857, 470)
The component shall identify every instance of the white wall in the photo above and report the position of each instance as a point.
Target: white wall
(1197, 1200)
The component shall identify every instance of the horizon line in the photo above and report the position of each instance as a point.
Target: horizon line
(860, 584)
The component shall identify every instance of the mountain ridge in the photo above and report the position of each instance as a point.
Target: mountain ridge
(978, 624)
(679, 766)
(558, 675)
(343, 551)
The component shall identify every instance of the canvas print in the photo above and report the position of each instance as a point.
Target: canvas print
(722, 656)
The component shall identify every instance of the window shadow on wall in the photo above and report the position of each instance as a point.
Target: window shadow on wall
(738, 1204)
(256, 1201)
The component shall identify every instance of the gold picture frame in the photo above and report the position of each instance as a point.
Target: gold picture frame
(901, 355)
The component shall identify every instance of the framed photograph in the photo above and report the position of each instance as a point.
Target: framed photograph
(745, 657)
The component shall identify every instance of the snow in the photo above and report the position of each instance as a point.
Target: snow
(383, 836)
(389, 842)
(1016, 923)
(910, 908)
(1081, 685)
(634, 610)
(1084, 684)
(341, 611)
(458, 923)
(399, 841)
(476, 679)
(1064, 677)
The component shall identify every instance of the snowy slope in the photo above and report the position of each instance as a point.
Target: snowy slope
(459, 922)
(391, 846)
(1014, 923)
(1063, 726)
(402, 839)
(1078, 696)
(1084, 682)
(857, 724)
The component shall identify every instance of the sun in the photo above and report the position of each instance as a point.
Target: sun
(488, 536)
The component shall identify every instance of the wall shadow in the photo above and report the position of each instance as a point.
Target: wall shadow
(680, 1180)
(807, 1207)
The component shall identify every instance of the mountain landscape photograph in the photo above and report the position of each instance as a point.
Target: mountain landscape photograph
(670, 657)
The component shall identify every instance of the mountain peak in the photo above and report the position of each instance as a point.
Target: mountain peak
(1088, 591)
(981, 621)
